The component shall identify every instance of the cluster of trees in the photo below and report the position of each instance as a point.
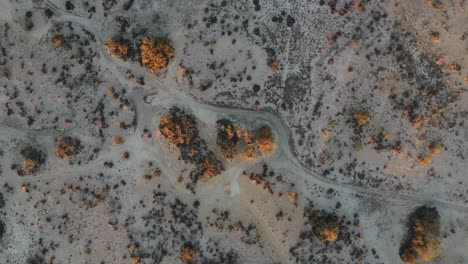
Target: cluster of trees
(155, 53)
(422, 241)
(178, 127)
(181, 131)
(233, 139)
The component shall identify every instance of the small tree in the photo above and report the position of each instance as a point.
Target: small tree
(265, 140)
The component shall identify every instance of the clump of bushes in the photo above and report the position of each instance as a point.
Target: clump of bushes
(455, 67)
(437, 4)
(435, 148)
(424, 160)
(362, 117)
(227, 137)
(422, 242)
(188, 254)
(117, 47)
(435, 37)
(235, 140)
(274, 65)
(156, 53)
(66, 147)
(178, 127)
(209, 167)
(58, 41)
(33, 159)
(325, 227)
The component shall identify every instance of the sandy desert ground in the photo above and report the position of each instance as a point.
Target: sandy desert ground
(215, 131)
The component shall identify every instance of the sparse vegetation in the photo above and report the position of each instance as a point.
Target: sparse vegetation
(5, 73)
(330, 232)
(262, 179)
(297, 66)
(357, 144)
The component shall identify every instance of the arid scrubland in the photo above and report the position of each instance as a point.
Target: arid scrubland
(249, 131)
